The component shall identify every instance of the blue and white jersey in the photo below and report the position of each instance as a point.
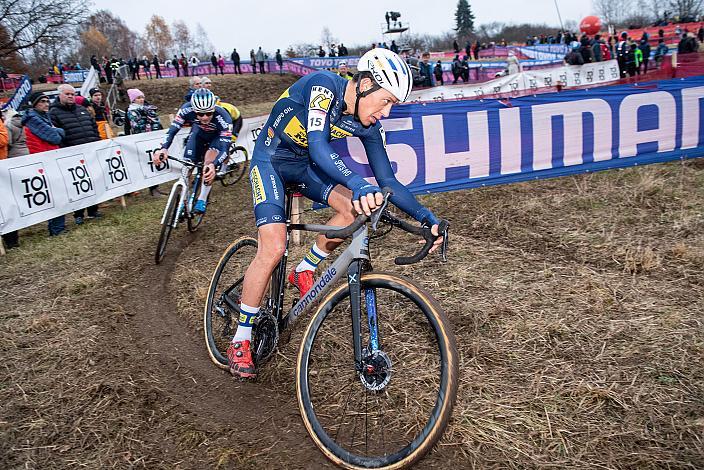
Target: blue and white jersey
(218, 132)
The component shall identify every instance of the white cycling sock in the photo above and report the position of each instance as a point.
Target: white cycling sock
(204, 191)
(314, 257)
(245, 322)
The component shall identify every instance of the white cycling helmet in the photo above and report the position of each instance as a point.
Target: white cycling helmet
(389, 71)
(203, 100)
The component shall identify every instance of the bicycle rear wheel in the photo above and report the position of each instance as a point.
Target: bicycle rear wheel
(171, 214)
(223, 302)
(390, 410)
(238, 161)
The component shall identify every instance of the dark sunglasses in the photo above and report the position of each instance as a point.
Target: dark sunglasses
(43, 100)
(209, 113)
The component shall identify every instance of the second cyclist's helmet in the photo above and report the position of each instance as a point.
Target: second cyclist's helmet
(389, 71)
(203, 100)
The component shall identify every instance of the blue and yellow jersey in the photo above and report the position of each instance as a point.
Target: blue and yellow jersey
(309, 115)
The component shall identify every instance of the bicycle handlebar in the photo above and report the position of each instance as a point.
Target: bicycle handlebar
(381, 214)
(185, 162)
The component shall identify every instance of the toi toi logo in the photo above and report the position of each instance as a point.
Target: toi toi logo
(116, 168)
(36, 190)
(159, 167)
(81, 180)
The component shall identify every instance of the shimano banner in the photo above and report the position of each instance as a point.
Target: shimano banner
(468, 143)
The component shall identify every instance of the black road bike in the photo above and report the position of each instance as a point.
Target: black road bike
(377, 368)
(234, 168)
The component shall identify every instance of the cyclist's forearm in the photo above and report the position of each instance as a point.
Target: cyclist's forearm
(333, 166)
(169, 137)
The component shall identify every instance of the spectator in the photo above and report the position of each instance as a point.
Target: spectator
(465, 69)
(260, 59)
(468, 48)
(221, 65)
(700, 34)
(42, 136)
(16, 145)
(193, 84)
(343, 71)
(437, 71)
(176, 65)
(11, 239)
(205, 82)
(622, 50)
(574, 57)
(253, 61)
(645, 54)
(143, 118)
(638, 54)
(321, 52)
(630, 60)
(342, 51)
(477, 47)
(109, 72)
(100, 112)
(660, 52)
(183, 62)
(235, 57)
(94, 63)
(426, 71)
(280, 61)
(456, 68)
(213, 64)
(134, 68)
(333, 50)
(455, 46)
(596, 48)
(157, 67)
(147, 67)
(194, 64)
(585, 49)
(79, 128)
(393, 47)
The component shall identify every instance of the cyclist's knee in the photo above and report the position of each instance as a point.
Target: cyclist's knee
(272, 243)
(340, 200)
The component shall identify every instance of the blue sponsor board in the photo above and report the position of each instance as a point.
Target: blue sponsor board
(469, 143)
(21, 94)
(75, 76)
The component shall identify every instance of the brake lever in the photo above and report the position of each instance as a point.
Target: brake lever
(443, 247)
(376, 215)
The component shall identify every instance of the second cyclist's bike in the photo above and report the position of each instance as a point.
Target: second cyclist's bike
(377, 368)
(235, 166)
(180, 204)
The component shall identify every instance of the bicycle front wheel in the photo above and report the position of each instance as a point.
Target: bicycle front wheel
(388, 411)
(171, 212)
(239, 158)
(223, 302)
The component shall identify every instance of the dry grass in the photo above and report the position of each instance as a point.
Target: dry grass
(577, 305)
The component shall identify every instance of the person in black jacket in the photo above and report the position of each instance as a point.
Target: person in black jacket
(79, 128)
(235, 57)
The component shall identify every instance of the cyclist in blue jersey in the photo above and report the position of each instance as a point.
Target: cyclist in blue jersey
(294, 147)
(208, 141)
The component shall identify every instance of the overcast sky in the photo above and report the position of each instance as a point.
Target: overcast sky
(276, 24)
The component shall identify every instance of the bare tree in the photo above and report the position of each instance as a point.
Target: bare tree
(32, 22)
(613, 12)
(202, 42)
(326, 38)
(686, 8)
(158, 36)
(183, 39)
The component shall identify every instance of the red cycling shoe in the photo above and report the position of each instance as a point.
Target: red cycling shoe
(302, 280)
(239, 356)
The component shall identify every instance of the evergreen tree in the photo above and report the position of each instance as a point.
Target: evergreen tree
(464, 19)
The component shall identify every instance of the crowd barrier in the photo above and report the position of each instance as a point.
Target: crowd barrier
(567, 76)
(461, 144)
(433, 146)
(38, 187)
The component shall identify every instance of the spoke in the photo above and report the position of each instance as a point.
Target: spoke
(344, 410)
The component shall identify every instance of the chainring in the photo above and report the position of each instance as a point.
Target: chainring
(265, 337)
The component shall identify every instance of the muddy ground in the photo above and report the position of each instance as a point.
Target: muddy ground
(577, 305)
